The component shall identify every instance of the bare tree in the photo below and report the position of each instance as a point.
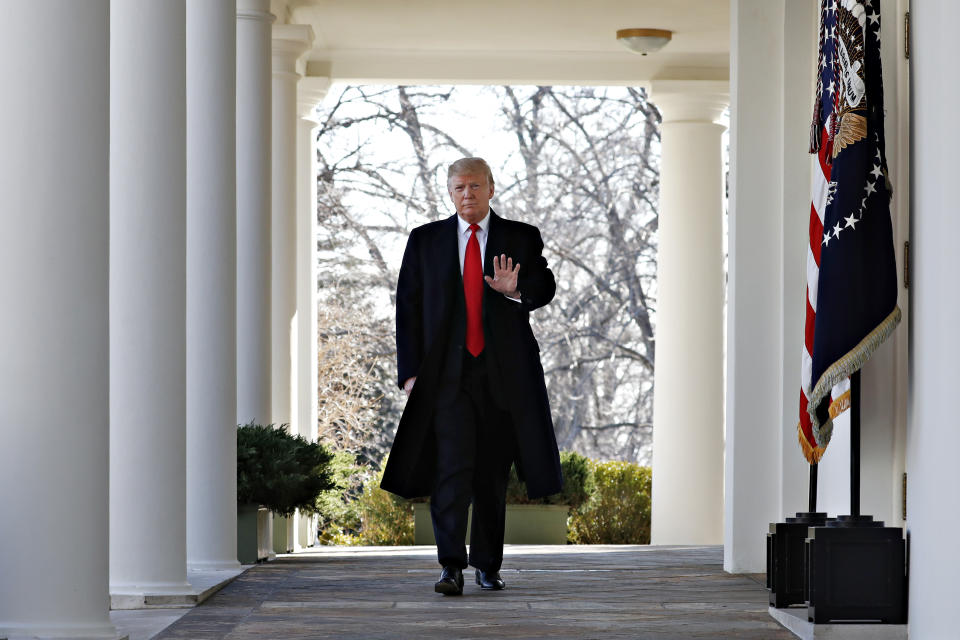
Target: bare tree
(355, 358)
(584, 169)
(589, 179)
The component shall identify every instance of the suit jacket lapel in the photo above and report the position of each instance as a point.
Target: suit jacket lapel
(449, 257)
(494, 244)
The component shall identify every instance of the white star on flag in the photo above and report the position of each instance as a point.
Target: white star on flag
(851, 222)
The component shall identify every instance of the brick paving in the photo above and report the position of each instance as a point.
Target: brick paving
(561, 592)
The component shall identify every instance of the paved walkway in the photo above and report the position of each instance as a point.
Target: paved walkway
(561, 592)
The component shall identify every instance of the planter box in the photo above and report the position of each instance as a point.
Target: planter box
(265, 535)
(282, 526)
(247, 533)
(525, 524)
(253, 534)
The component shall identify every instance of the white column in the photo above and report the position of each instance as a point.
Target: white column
(310, 92)
(147, 300)
(54, 386)
(289, 43)
(253, 211)
(687, 488)
(211, 286)
(933, 440)
(767, 276)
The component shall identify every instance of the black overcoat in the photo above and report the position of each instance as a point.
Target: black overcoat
(431, 328)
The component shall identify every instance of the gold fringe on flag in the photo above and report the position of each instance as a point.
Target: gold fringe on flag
(812, 454)
(839, 405)
(844, 368)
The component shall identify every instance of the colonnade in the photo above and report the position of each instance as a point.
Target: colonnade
(166, 285)
(158, 228)
(120, 214)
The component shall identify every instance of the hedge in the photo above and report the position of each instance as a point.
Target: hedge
(618, 512)
(610, 504)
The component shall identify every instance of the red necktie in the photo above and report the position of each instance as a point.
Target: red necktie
(473, 292)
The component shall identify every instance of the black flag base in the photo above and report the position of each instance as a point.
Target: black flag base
(848, 522)
(856, 571)
(786, 574)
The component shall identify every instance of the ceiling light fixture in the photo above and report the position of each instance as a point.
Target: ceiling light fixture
(644, 41)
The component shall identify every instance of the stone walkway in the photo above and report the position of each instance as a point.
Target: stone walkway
(560, 592)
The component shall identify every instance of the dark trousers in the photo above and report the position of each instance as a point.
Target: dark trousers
(475, 446)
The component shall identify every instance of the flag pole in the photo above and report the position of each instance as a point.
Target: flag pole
(812, 491)
(855, 444)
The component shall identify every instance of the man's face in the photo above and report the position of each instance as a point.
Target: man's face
(471, 195)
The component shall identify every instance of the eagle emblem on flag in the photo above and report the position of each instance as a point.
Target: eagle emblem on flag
(851, 268)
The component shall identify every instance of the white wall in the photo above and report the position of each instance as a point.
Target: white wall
(933, 505)
(799, 65)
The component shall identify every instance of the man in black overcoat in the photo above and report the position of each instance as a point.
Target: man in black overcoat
(467, 358)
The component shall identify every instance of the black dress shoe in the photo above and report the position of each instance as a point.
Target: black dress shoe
(450, 582)
(490, 580)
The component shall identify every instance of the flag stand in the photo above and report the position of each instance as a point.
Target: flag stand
(855, 566)
(786, 573)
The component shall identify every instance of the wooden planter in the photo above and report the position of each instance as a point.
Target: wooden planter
(281, 534)
(525, 524)
(248, 533)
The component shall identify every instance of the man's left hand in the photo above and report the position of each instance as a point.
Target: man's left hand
(504, 277)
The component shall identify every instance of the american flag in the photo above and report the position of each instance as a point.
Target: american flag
(851, 269)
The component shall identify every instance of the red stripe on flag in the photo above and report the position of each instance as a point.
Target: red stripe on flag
(805, 419)
(816, 234)
(809, 443)
(806, 432)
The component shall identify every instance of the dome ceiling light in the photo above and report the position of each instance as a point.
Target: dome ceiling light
(644, 41)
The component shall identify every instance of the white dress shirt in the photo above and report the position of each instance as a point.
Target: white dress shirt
(464, 236)
(482, 233)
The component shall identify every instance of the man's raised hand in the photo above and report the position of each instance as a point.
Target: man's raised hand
(504, 277)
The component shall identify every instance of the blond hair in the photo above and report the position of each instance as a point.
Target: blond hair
(466, 166)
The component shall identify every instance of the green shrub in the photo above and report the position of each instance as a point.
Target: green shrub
(385, 519)
(280, 471)
(610, 503)
(577, 483)
(618, 512)
(337, 507)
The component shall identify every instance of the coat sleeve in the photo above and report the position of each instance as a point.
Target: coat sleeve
(409, 312)
(536, 282)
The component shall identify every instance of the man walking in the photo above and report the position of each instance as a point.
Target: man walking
(467, 358)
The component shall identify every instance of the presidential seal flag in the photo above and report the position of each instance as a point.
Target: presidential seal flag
(851, 269)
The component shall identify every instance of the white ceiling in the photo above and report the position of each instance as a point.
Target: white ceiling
(494, 41)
